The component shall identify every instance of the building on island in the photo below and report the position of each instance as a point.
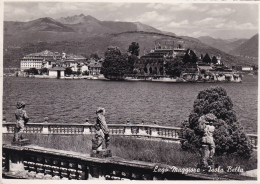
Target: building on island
(94, 67)
(50, 60)
(247, 68)
(153, 62)
(57, 72)
(38, 60)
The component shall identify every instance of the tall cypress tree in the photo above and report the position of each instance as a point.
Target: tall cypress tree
(206, 59)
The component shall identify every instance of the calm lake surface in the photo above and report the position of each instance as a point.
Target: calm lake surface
(72, 101)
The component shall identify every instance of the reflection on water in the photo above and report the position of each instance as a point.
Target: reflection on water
(72, 101)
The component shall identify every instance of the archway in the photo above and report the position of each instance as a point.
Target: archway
(150, 70)
(145, 70)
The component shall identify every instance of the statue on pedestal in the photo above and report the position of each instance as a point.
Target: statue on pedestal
(208, 144)
(101, 137)
(21, 119)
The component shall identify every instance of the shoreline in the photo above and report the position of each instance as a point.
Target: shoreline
(148, 79)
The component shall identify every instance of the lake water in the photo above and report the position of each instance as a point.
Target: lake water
(72, 101)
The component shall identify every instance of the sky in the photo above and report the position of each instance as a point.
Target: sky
(218, 20)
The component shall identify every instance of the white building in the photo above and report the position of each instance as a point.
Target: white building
(38, 60)
(57, 72)
(84, 68)
(247, 68)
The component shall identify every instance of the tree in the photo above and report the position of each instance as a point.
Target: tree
(174, 67)
(206, 59)
(194, 58)
(94, 56)
(68, 71)
(190, 57)
(134, 48)
(86, 72)
(214, 60)
(115, 65)
(229, 135)
(43, 70)
(32, 71)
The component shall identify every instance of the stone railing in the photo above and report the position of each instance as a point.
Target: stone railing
(135, 130)
(34, 162)
(115, 129)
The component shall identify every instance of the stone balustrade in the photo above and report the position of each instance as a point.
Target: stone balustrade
(34, 162)
(115, 129)
(134, 130)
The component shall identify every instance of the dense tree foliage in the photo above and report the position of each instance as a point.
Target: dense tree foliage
(206, 59)
(68, 71)
(44, 71)
(32, 71)
(94, 56)
(134, 49)
(229, 135)
(115, 65)
(214, 60)
(174, 67)
(190, 57)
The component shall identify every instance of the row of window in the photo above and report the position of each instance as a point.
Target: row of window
(30, 60)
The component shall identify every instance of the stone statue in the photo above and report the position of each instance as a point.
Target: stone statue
(208, 144)
(101, 135)
(21, 119)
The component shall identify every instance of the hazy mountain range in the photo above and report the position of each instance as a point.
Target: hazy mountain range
(84, 35)
(242, 47)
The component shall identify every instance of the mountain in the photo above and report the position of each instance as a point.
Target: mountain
(80, 22)
(42, 24)
(76, 19)
(223, 45)
(84, 35)
(248, 49)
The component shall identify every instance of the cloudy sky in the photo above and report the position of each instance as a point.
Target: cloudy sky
(190, 19)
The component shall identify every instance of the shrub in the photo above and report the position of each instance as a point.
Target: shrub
(229, 135)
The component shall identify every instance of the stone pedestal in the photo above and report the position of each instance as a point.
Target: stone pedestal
(206, 161)
(128, 131)
(22, 142)
(16, 164)
(101, 153)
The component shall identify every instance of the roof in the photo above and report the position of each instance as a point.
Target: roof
(57, 68)
(44, 53)
(73, 56)
(95, 65)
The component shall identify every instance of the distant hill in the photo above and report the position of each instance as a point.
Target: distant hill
(42, 24)
(84, 35)
(248, 49)
(223, 45)
(81, 21)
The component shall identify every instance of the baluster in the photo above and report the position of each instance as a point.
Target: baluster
(4, 161)
(136, 176)
(125, 175)
(64, 170)
(31, 166)
(56, 169)
(39, 167)
(73, 170)
(146, 177)
(47, 168)
(159, 131)
(81, 172)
